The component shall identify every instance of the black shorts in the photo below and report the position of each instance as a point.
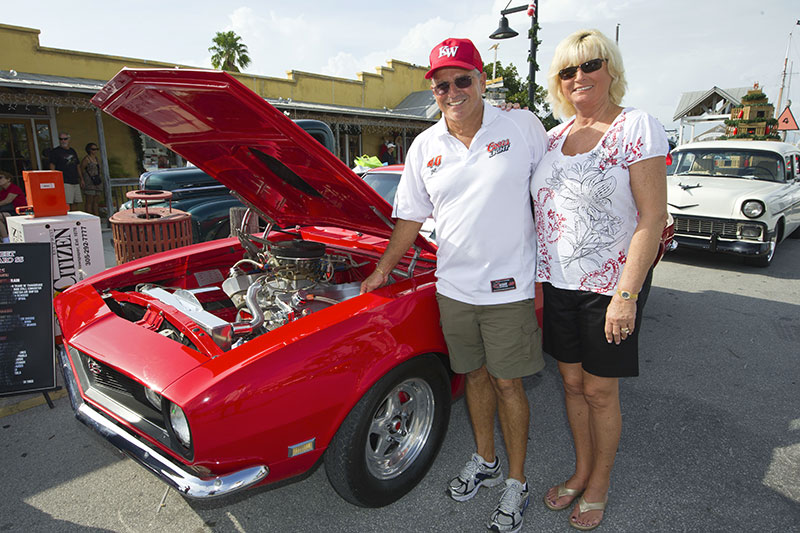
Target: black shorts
(573, 331)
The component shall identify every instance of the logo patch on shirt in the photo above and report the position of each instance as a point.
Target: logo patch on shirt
(498, 147)
(500, 285)
(435, 164)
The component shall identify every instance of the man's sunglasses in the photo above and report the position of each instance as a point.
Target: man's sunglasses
(590, 66)
(462, 82)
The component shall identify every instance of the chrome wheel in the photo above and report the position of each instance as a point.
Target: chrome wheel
(392, 435)
(400, 428)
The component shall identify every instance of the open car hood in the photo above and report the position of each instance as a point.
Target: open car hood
(214, 121)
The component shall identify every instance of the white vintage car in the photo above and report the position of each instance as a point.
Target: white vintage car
(735, 197)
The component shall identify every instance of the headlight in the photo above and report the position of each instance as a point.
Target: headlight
(180, 425)
(153, 397)
(753, 208)
(750, 231)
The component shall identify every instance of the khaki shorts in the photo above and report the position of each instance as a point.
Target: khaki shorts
(72, 191)
(504, 337)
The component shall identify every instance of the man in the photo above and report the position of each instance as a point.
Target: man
(65, 159)
(388, 156)
(471, 171)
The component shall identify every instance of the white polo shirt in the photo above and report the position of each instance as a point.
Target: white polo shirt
(480, 200)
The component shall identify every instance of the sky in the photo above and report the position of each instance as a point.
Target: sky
(668, 47)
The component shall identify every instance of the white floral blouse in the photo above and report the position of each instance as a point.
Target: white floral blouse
(584, 208)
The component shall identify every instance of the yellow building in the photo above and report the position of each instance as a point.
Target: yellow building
(46, 90)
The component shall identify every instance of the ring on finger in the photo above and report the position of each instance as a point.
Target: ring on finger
(626, 331)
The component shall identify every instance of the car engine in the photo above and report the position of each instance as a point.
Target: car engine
(272, 285)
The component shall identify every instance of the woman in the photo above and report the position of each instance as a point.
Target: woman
(93, 183)
(600, 204)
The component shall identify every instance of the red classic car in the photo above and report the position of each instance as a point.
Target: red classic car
(247, 360)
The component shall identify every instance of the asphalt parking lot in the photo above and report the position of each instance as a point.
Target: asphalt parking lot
(711, 437)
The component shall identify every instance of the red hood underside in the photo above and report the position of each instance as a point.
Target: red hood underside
(214, 121)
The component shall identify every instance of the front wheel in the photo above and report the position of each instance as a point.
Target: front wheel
(389, 440)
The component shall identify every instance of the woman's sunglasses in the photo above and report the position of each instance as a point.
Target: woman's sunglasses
(462, 82)
(590, 66)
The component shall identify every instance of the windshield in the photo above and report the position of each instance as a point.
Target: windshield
(384, 183)
(745, 164)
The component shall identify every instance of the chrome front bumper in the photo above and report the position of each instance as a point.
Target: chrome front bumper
(164, 467)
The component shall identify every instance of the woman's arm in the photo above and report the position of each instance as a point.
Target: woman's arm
(649, 187)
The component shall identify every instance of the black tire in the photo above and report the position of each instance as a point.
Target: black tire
(389, 440)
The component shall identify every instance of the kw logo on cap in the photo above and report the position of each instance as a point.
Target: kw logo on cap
(448, 51)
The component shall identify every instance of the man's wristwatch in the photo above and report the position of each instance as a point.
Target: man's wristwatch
(627, 295)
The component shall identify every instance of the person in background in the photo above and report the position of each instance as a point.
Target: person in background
(92, 181)
(600, 206)
(388, 156)
(11, 197)
(65, 159)
(471, 171)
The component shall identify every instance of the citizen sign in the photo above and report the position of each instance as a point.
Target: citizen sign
(70, 256)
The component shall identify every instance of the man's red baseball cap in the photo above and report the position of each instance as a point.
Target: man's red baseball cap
(460, 53)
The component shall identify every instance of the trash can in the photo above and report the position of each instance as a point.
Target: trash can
(143, 231)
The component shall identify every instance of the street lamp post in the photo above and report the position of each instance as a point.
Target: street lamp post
(504, 32)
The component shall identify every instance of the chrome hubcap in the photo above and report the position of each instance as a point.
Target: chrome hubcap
(399, 429)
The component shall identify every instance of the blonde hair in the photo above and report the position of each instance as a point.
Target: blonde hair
(581, 46)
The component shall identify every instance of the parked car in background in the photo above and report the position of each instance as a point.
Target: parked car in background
(206, 199)
(735, 197)
(385, 180)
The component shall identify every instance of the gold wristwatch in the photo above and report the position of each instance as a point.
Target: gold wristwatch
(628, 295)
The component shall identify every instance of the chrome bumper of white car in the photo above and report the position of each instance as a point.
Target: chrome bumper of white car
(717, 245)
(164, 467)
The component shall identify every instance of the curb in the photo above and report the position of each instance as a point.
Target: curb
(30, 403)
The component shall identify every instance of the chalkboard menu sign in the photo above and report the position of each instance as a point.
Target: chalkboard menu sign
(27, 356)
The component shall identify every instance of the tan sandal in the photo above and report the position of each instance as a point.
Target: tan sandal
(560, 493)
(585, 507)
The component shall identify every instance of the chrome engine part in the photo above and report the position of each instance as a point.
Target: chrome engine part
(281, 283)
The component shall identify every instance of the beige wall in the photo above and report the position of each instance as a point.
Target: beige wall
(21, 51)
(387, 87)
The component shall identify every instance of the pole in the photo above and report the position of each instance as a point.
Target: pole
(532, 61)
(101, 140)
(783, 76)
(532, 54)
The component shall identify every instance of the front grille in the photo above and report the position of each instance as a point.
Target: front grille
(705, 227)
(104, 376)
(117, 386)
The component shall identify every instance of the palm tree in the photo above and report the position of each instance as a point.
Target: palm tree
(228, 50)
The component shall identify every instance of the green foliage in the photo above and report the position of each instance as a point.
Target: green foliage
(754, 97)
(115, 168)
(228, 52)
(518, 91)
(738, 121)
